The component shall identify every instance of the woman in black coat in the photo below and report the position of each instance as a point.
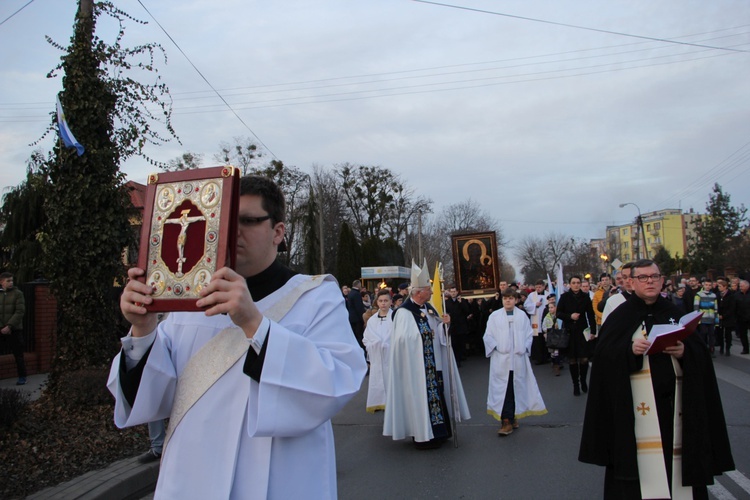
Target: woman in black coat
(577, 314)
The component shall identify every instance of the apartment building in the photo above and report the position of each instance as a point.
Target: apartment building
(668, 228)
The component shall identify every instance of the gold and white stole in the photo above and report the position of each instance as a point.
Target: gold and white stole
(651, 467)
(220, 353)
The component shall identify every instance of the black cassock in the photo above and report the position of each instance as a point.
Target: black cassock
(608, 437)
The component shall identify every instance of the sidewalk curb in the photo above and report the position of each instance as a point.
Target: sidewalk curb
(124, 480)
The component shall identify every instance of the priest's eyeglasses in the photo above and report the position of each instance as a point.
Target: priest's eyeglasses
(643, 278)
(247, 221)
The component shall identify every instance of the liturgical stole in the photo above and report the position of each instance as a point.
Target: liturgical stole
(651, 467)
(220, 353)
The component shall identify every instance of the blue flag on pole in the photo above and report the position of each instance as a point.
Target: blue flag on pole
(65, 134)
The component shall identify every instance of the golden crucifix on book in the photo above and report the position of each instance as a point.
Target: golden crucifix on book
(189, 231)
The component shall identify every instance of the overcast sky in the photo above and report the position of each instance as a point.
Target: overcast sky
(547, 113)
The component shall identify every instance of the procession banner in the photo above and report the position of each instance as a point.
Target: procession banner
(189, 231)
(476, 264)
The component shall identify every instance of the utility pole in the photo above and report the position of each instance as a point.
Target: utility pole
(639, 223)
(320, 227)
(86, 8)
(419, 237)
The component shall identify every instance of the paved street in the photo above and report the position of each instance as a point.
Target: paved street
(536, 461)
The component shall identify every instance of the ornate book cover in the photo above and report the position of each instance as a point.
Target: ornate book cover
(189, 231)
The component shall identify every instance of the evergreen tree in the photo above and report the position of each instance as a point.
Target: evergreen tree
(665, 261)
(717, 234)
(393, 253)
(348, 261)
(24, 218)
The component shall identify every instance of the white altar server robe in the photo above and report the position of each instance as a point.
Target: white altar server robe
(508, 344)
(244, 439)
(377, 340)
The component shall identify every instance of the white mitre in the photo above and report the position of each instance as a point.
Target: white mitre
(420, 278)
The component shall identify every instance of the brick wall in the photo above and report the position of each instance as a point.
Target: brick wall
(45, 327)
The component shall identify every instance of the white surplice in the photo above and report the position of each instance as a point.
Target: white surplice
(611, 305)
(534, 311)
(406, 409)
(244, 439)
(377, 340)
(507, 342)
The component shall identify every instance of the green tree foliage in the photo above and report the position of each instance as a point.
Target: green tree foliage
(718, 234)
(667, 264)
(349, 260)
(24, 218)
(392, 253)
(88, 205)
(378, 205)
(377, 252)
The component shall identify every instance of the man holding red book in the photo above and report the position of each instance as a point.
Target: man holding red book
(666, 401)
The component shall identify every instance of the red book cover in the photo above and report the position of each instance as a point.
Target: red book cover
(663, 336)
(189, 232)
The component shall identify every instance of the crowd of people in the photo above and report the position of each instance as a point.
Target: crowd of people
(606, 327)
(583, 307)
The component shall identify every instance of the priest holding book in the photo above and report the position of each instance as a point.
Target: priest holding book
(654, 421)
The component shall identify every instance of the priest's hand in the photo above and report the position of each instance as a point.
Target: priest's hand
(677, 350)
(135, 295)
(640, 346)
(227, 293)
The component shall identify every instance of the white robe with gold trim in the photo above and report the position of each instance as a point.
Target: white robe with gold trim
(508, 345)
(377, 340)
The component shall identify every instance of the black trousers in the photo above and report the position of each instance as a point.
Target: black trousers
(724, 337)
(742, 334)
(509, 405)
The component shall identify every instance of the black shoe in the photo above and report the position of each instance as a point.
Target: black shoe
(149, 456)
(21, 381)
(584, 386)
(745, 352)
(576, 391)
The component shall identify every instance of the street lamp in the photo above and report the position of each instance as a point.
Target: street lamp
(639, 221)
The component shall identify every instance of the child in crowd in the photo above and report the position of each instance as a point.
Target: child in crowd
(551, 322)
(377, 339)
(513, 392)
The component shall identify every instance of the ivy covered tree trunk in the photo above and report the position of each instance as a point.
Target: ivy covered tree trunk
(87, 211)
